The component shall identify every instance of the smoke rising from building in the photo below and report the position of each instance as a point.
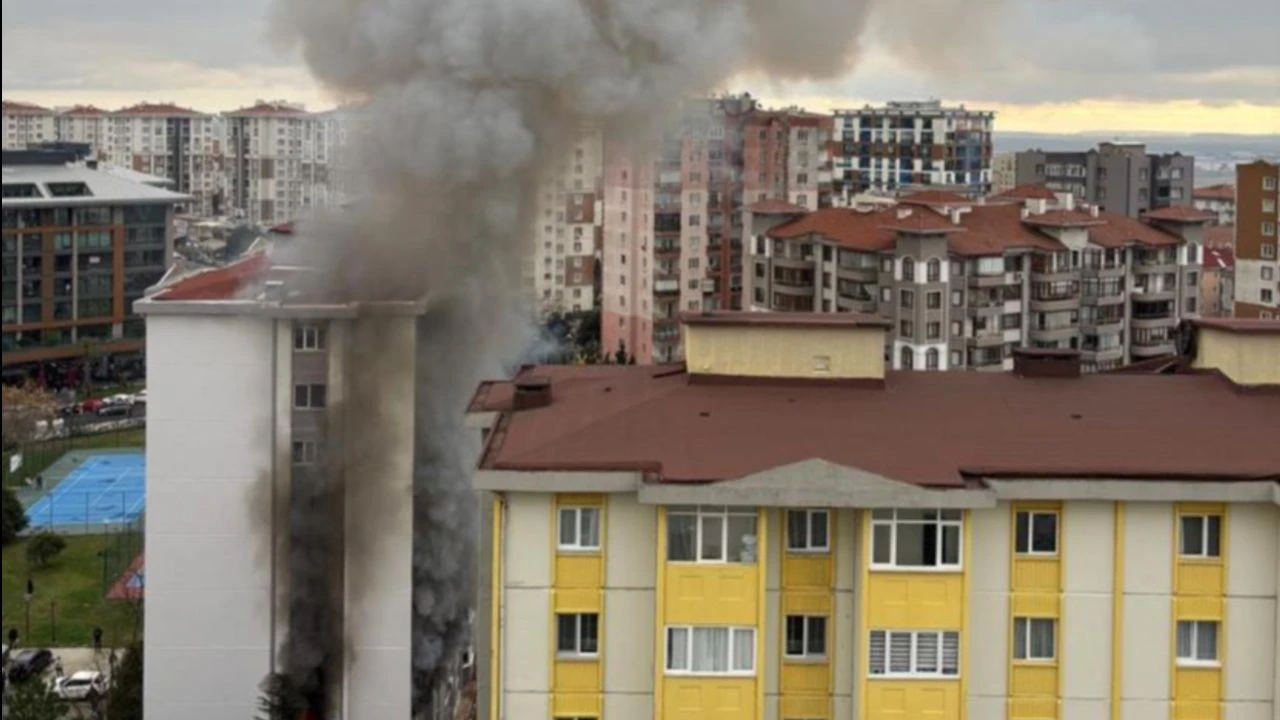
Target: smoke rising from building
(462, 105)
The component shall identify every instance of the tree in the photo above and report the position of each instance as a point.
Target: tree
(44, 547)
(15, 517)
(124, 695)
(33, 699)
(25, 407)
(280, 699)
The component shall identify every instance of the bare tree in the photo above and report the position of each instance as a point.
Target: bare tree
(25, 407)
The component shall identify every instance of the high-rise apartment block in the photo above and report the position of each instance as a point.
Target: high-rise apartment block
(1257, 277)
(1219, 199)
(280, 160)
(673, 218)
(563, 273)
(964, 284)
(1119, 177)
(27, 124)
(179, 143)
(81, 244)
(907, 145)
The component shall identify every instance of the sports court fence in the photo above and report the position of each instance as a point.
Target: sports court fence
(25, 461)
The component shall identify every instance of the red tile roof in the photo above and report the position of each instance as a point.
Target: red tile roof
(1035, 191)
(1122, 230)
(995, 229)
(934, 197)
(1220, 236)
(1180, 213)
(918, 428)
(223, 283)
(1219, 258)
(164, 109)
(1224, 191)
(920, 221)
(13, 107)
(1064, 218)
(266, 109)
(849, 228)
(84, 110)
(777, 207)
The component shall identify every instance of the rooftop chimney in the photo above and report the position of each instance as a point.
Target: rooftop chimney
(531, 393)
(1024, 212)
(1044, 363)
(904, 213)
(1093, 210)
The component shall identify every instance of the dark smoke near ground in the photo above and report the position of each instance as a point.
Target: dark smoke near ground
(462, 105)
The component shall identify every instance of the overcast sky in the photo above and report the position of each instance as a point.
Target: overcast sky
(1043, 65)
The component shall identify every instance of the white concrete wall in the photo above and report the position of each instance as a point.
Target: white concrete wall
(526, 613)
(989, 612)
(631, 573)
(208, 641)
(1088, 556)
(1249, 681)
(1148, 586)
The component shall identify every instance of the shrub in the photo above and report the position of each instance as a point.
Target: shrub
(15, 517)
(43, 548)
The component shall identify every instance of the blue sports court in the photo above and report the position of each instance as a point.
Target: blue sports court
(103, 488)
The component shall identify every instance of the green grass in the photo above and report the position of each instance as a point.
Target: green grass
(38, 456)
(74, 580)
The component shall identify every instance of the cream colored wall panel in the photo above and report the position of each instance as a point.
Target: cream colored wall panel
(847, 561)
(986, 708)
(1076, 708)
(1086, 646)
(1087, 547)
(843, 708)
(527, 641)
(772, 653)
(844, 646)
(1148, 548)
(1147, 647)
(1248, 711)
(528, 561)
(628, 641)
(521, 705)
(990, 537)
(1251, 550)
(989, 657)
(1143, 709)
(771, 709)
(629, 527)
(773, 552)
(1251, 649)
(624, 706)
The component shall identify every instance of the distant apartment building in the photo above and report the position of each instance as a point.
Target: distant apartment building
(279, 160)
(1219, 200)
(1004, 172)
(81, 244)
(674, 217)
(568, 230)
(1257, 267)
(179, 143)
(903, 146)
(964, 284)
(1217, 282)
(85, 124)
(26, 124)
(1118, 177)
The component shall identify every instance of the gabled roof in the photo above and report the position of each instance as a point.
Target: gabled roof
(920, 221)
(84, 111)
(1218, 236)
(934, 197)
(224, 283)
(1063, 218)
(1223, 191)
(14, 107)
(162, 109)
(1180, 214)
(849, 228)
(1219, 258)
(1121, 231)
(267, 109)
(1030, 191)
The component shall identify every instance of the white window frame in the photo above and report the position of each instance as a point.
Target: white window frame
(807, 632)
(701, 514)
(1197, 626)
(1031, 532)
(579, 515)
(304, 453)
(1204, 518)
(309, 337)
(940, 637)
(577, 651)
(946, 518)
(1023, 653)
(809, 546)
(689, 630)
(310, 390)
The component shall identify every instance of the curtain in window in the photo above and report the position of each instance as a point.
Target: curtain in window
(1186, 639)
(712, 538)
(711, 650)
(1207, 642)
(681, 537)
(797, 529)
(742, 539)
(589, 519)
(678, 649)
(1192, 535)
(744, 649)
(1042, 638)
(1019, 639)
(568, 525)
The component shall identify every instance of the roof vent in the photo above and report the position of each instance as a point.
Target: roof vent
(1024, 213)
(1046, 363)
(273, 291)
(1093, 211)
(531, 393)
(904, 213)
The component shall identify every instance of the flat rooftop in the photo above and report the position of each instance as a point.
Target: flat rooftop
(96, 187)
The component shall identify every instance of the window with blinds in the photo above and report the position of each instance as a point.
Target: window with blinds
(914, 653)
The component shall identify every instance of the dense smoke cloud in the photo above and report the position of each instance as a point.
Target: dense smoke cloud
(463, 104)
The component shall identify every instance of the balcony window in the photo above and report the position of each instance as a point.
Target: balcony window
(304, 452)
(806, 637)
(807, 531)
(1036, 532)
(711, 535)
(908, 270)
(309, 397)
(1200, 536)
(693, 650)
(579, 528)
(1034, 639)
(934, 271)
(914, 654)
(1197, 642)
(909, 538)
(308, 338)
(577, 635)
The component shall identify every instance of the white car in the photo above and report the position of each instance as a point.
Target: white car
(81, 685)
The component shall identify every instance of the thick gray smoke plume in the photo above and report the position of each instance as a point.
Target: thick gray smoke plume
(462, 105)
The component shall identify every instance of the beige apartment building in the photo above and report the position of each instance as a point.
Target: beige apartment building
(965, 283)
(27, 124)
(754, 534)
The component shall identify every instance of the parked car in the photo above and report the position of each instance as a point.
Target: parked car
(29, 663)
(82, 685)
(118, 410)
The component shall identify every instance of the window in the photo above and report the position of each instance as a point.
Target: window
(957, 298)
(908, 300)
(309, 397)
(577, 634)
(934, 270)
(1197, 642)
(931, 357)
(1268, 183)
(1033, 638)
(711, 534)
(918, 653)
(886, 295)
(304, 452)
(933, 330)
(1037, 532)
(1266, 272)
(1201, 536)
(933, 300)
(1268, 229)
(906, 358)
(807, 531)
(579, 528)
(711, 650)
(915, 538)
(806, 636)
(308, 338)
(908, 270)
